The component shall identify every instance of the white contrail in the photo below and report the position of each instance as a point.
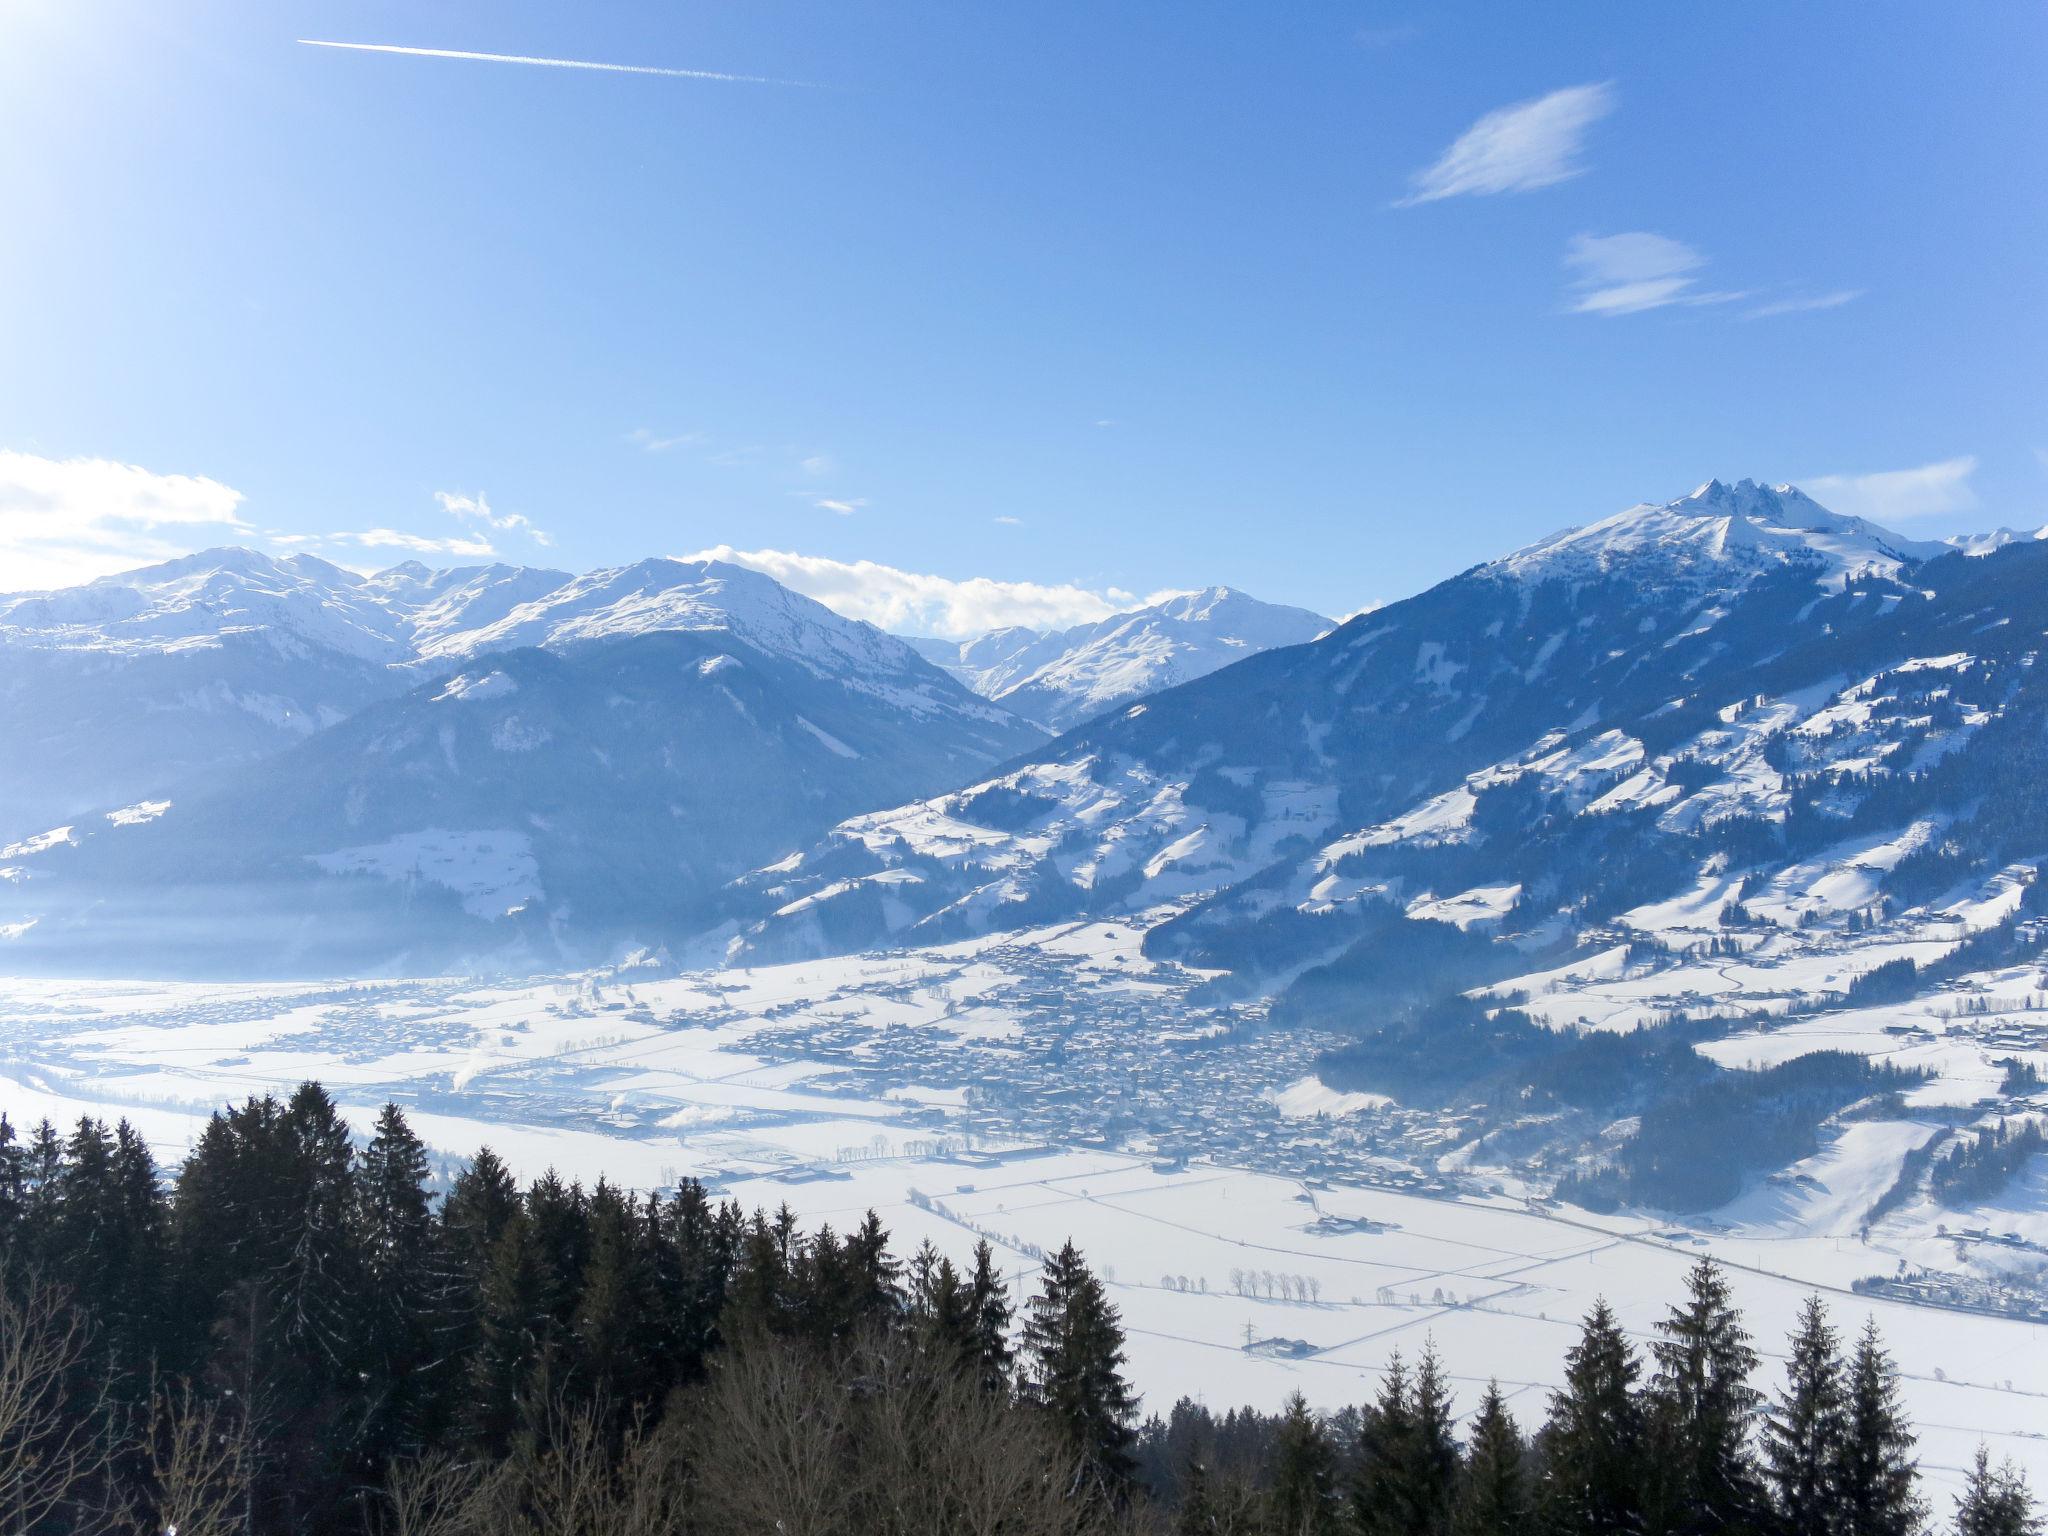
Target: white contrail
(520, 58)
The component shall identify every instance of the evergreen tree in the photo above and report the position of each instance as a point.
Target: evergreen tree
(1433, 1473)
(558, 1219)
(319, 1280)
(700, 1245)
(84, 1217)
(1407, 1461)
(1702, 1406)
(1995, 1502)
(42, 1191)
(873, 1276)
(480, 1204)
(1874, 1477)
(615, 1317)
(511, 1322)
(1197, 1514)
(1803, 1435)
(1385, 1433)
(939, 1309)
(1493, 1498)
(1302, 1497)
(401, 1266)
(1075, 1343)
(759, 1296)
(1593, 1444)
(13, 1189)
(988, 1300)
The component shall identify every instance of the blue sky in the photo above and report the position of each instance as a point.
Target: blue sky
(1326, 301)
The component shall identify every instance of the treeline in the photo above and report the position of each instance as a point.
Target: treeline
(1979, 1168)
(294, 1333)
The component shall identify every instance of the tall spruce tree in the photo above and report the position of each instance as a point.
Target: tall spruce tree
(512, 1326)
(1803, 1434)
(1302, 1497)
(1379, 1502)
(1074, 1342)
(1995, 1501)
(615, 1318)
(1874, 1479)
(1593, 1444)
(988, 1297)
(319, 1279)
(1407, 1461)
(13, 1192)
(939, 1309)
(1493, 1495)
(401, 1264)
(701, 1243)
(1702, 1407)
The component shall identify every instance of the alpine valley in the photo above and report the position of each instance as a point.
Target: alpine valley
(1671, 884)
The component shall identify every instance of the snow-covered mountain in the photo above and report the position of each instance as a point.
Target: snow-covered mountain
(1718, 537)
(1063, 677)
(127, 687)
(1256, 797)
(520, 762)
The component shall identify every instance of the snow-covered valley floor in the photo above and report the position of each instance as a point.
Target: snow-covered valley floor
(1262, 1232)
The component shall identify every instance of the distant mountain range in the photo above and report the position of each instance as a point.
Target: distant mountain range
(1063, 677)
(235, 762)
(492, 765)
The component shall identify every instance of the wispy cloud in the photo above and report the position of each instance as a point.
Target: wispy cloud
(477, 509)
(650, 441)
(411, 543)
(1899, 495)
(911, 602)
(1803, 303)
(64, 521)
(1005, 521)
(845, 507)
(1520, 148)
(521, 58)
(1628, 273)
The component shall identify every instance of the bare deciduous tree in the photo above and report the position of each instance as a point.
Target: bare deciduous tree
(55, 1451)
(200, 1462)
(434, 1495)
(780, 1423)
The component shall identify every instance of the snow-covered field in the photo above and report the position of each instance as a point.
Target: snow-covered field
(959, 1091)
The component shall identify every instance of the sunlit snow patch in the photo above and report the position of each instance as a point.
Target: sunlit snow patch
(471, 687)
(493, 872)
(1307, 1097)
(40, 843)
(142, 811)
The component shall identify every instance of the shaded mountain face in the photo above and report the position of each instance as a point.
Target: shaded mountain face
(1065, 677)
(1583, 711)
(575, 777)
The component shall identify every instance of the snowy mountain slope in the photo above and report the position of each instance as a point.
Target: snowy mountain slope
(698, 596)
(125, 688)
(135, 686)
(1716, 536)
(1064, 677)
(534, 807)
(1248, 777)
(225, 656)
